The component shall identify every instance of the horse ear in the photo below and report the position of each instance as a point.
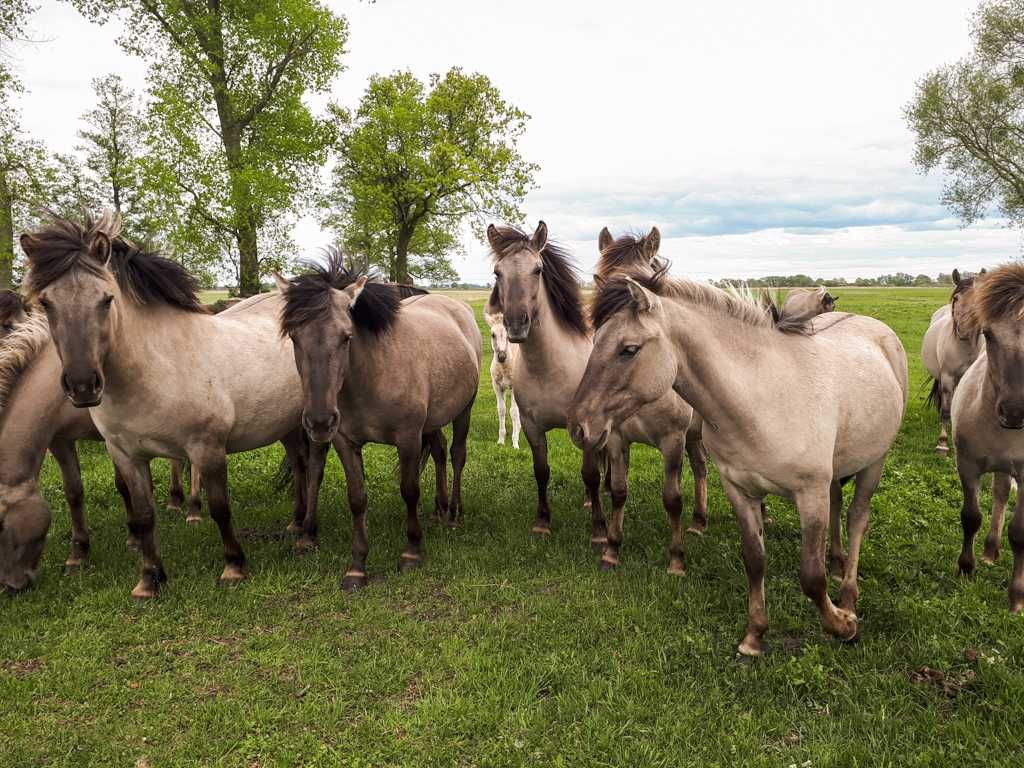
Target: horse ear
(643, 300)
(492, 237)
(280, 281)
(540, 237)
(99, 248)
(598, 282)
(493, 306)
(829, 302)
(604, 239)
(28, 244)
(956, 277)
(355, 289)
(982, 272)
(652, 244)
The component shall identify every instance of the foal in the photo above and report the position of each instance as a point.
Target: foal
(377, 369)
(748, 376)
(988, 412)
(503, 362)
(805, 303)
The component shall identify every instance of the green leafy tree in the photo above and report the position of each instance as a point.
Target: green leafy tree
(235, 148)
(416, 162)
(968, 118)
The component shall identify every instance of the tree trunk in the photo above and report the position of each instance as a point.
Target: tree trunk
(248, 257)
(6, 231)
(402, 258)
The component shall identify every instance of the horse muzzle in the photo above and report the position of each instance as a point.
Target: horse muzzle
(85, 390)
(321, 428)
(585, 440)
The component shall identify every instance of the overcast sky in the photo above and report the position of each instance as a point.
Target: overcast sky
(761, 137)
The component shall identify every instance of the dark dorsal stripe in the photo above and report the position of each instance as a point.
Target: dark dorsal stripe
(561, 278)
(308, 297)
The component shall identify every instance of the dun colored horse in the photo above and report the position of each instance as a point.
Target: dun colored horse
(777, 418)
(988, 415)
(160, 375)
(375, 368)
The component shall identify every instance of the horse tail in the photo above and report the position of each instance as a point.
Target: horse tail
(934, 399)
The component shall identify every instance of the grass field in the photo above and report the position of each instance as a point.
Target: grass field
(505, 650)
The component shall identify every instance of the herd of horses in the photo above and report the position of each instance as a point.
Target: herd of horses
(110, 342)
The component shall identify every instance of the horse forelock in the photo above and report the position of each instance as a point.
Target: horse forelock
(308, 296)
(561, 277)
(627, 253)
(998, 295)
(19, 348)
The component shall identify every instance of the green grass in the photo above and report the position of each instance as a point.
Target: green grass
(507, 650)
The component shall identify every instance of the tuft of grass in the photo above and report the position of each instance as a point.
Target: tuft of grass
(506, 650)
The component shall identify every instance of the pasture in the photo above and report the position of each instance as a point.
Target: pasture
(505, 649)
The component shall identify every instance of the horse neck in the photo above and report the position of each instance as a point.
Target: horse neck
(549, 342)
(33, 415)
(715, 377)
(138, 332)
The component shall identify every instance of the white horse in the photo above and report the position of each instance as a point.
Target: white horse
(503, 362)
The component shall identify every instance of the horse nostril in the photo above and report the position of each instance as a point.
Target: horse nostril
(578, 435)
(65, 384)
(97, 383)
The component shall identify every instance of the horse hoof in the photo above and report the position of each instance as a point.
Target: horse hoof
(193, 520)
(515, 446)
(989, 560)
(942, 450)
(173, 509)
(697, 530)
(587, 504)
(294, 529)
(353, 581)
(232, 574)
(71, 567)
(145, 591)
(750, 647)
(1016, 606)
(966, 568)
(304, 546)
(676, 569)
(837, 568)
(608, 564)
(766, 520)
(408, 562)
(847, 628)
(541, 530)
(598, 543)
(132, 544)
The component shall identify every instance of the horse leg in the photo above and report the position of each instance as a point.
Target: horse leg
(538, 441)
(617, 477)
(499, 395)
(1000, 497)
(945, 403)
(748, 515)
(132, 544)
(175, 493)
(836, 556)
(409, 468)
(136, 476)
(516, 424)
(438, 450)
(213, 469)
(672, 499)
(296, 457)
(351, 456)
(313, 476)
(195, 496)
(858, 518)
(699, 465)
(1016, 536)
(460, 436)
(970, 514)
(71, 473)
(813, 506)
(591, 473)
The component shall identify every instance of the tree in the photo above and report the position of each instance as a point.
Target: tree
(415, 163)
(112, 144)
(235, 142)
(968, 118)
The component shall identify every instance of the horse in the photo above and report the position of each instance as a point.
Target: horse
(668, 424)
(503, 361)
(777, 418)
(376, 368)
(948, 350)
(537, 293)
(160, 374)
(805, 303)
(988, 415)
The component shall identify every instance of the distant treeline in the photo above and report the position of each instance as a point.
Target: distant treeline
(899, 279)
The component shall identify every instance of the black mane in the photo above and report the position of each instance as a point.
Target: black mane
(308, 297)
(63, 246)
(561, 278)
(10, 304)
(613, 295)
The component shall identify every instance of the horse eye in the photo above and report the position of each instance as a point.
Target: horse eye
(537, 270)
(106, 301)
(630, 350)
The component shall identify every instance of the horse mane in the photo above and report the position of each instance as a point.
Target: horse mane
(998, 295)
(740, 303)
(308, 297)
(19, 348)
(63, 246)
(11, 304)
(625, 254)
(561, 278)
